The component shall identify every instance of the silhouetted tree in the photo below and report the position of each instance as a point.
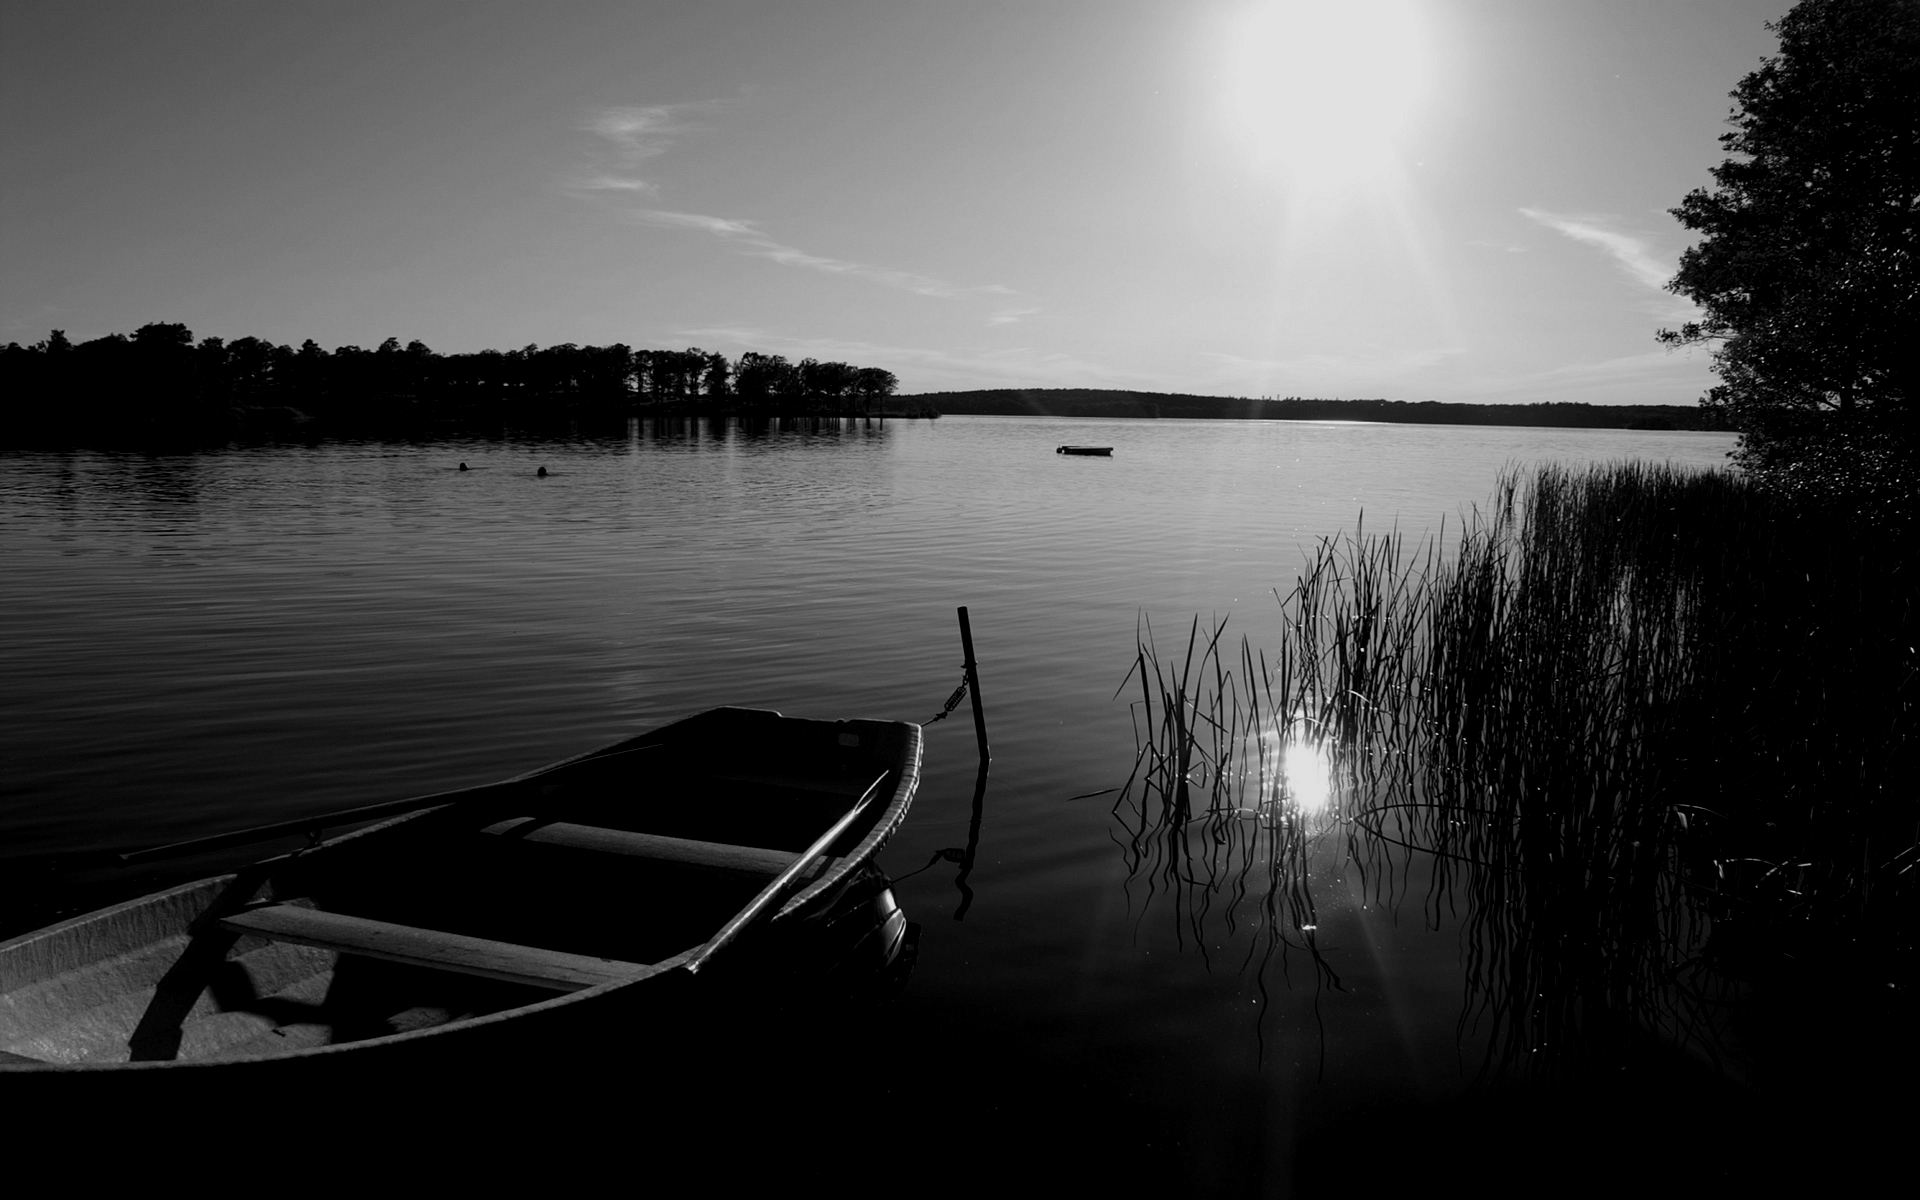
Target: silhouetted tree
(1806, 267)
(162, 370)
(250, 369)
(758, 379)
(650, 377)
(830, 385)
(874, 385)
(717, 380)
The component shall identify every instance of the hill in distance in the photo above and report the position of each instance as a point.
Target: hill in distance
(1103, 402)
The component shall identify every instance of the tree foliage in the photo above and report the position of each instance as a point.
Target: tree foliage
(159, 384)
(1805, 268)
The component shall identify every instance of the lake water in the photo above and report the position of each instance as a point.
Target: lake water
(205, 641)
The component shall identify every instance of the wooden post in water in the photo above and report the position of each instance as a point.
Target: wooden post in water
(973, 687)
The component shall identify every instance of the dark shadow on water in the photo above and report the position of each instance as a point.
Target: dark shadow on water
(1653, 1129)
(1650, 737)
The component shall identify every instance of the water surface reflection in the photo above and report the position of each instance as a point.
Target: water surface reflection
(325, 625)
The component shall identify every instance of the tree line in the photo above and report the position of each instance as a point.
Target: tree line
(1108, 402)
(159, 381)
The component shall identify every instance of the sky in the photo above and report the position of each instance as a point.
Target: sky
(1456, 200)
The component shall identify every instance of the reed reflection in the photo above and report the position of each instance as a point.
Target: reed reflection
(1230, 794)
(1643, 727)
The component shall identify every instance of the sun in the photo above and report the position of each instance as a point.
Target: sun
(1320, 91)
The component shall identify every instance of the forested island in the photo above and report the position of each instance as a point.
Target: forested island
(1093, 402)
(160, 384)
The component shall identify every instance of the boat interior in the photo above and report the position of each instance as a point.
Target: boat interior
(608, 869)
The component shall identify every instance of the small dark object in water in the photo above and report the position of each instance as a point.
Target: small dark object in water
(463, 466)
(542, 472)
(1103, 451)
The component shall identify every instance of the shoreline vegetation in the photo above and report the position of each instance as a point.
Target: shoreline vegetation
(1653, 729)
(160, 386)
(1106, 402)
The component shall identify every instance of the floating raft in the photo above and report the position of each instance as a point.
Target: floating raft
(1102, 451)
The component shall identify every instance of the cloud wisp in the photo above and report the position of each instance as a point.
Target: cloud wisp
(1630, 252)
(1650, 377)
(749, 239)
(631, 135)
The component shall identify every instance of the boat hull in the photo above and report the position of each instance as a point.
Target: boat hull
(180, 984)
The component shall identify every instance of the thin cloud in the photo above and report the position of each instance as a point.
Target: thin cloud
(630, 135)
(614, 183)
(1647, 367)
(1629, 253)
(1011, 316)
(1453, 375)
(718, 226)
(751, 240)
(1649, 377)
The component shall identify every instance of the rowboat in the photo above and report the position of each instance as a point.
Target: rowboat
(542, 909)
(1102, 451)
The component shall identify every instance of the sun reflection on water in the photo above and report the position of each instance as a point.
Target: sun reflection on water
(1297, 771)
(1307, 775)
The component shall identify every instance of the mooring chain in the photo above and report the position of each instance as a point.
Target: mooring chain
(953, 701)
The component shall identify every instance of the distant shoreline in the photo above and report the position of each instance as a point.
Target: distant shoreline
(1097, 402)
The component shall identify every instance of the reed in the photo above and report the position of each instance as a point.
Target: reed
(1653, 730)
(1207, 819)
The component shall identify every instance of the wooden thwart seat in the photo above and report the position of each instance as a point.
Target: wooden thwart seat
(748, 860)
(551, 969)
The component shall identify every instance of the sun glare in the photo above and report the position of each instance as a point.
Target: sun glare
(1319, 91)
(1309, 782)
(1298, 769)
